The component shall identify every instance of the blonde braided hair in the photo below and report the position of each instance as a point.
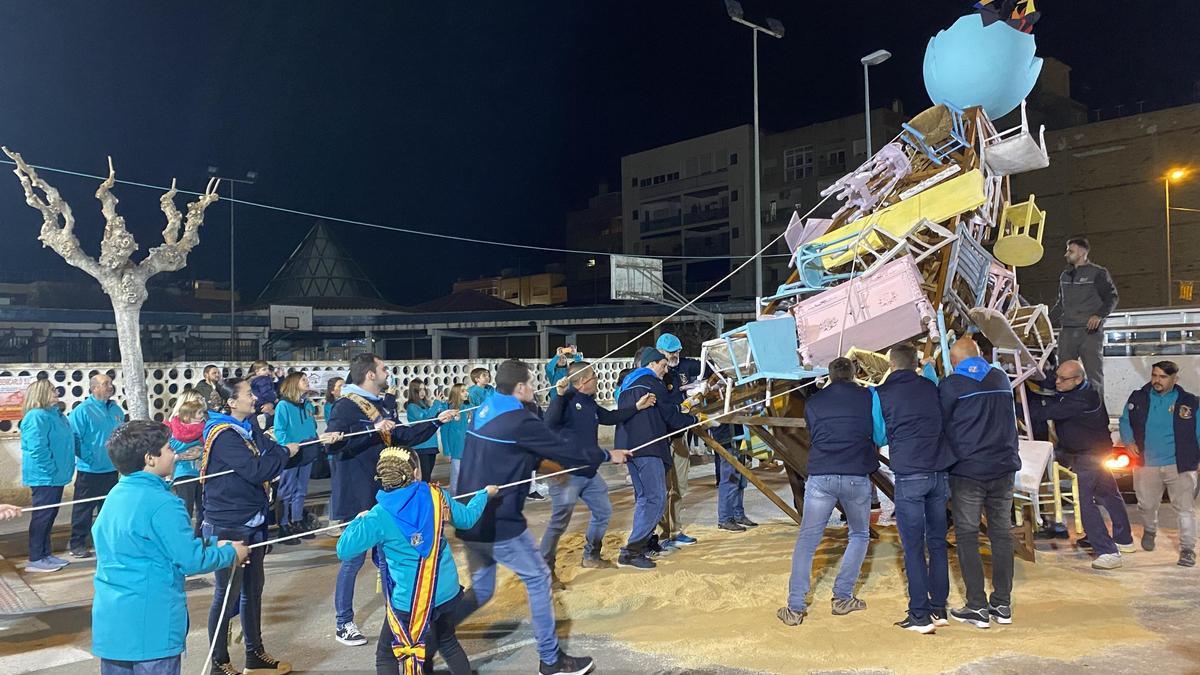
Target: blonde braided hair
(396, 468)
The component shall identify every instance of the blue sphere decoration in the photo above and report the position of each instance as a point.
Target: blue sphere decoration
(969, 64)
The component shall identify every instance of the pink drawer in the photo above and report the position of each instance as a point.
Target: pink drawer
(884, 308)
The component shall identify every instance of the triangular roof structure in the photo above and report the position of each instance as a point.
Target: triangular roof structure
(321, 274)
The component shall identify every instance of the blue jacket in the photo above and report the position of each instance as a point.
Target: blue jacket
(415, 413)
(505, 443)
(378, 528)
(47, 448)
(295, 423)
(353, 479)
(839, 422)
(981, 421)
(577, 417)
(651, 423)
(93, 421)
(235, 499)
(454, 436)
(477, 394)
(555, 372)
(1163, 426)
(144, 548)
(263, 387)
(1079, 416)
(687, 372)
(907, 416)
(186, 468)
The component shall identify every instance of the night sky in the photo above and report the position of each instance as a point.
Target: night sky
(485, 119)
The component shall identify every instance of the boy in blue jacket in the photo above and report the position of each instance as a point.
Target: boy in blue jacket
(649, 465)
(145, 548)
(406, 532)
(481, 388)
(505, 443)
(556, 367)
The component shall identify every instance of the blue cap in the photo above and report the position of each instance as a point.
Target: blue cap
(668, 343)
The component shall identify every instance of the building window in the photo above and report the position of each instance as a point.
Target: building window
(733, 195)
(798, 163)
(635, 215)
(673, 176)
(732, 158)
(660, 178)
(645, 182)
(835, 158)
(736, 231)
(633, 183)
(860, 147)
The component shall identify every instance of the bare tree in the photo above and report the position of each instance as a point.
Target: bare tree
(123, 280)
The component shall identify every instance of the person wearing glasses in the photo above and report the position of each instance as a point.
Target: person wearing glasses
(1081, 423)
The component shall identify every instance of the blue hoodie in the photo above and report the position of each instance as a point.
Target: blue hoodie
(47, 448)
(144, 549)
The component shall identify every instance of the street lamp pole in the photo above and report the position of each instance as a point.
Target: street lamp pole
(873, 59)
(1167, 191)
(251, 176)
(775, 29)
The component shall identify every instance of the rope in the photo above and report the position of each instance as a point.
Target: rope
(96, 499)
(393, 228)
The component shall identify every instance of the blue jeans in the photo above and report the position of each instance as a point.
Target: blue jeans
(921, 500)
(1097, 488)
(454, 464)
(164, 666)
(519, 554)
(293, 488)
(563, 497)
(649, 477)
(343, 590)
(42, 522)
(731, 488)
(821, 494)
(247, 585)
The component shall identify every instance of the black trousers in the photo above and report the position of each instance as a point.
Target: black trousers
(192, 496)
(245, 592)
(439, 638)
(427, 461)
(88, 485)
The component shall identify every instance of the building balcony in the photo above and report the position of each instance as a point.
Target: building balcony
(705, 215)
(658, 224)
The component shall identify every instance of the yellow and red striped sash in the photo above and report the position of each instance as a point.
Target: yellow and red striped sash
(208, 442)
(372, 414)
(408, 642)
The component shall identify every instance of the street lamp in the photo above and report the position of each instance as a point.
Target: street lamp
(873, 59)
(251, 176)
(1175, 175)
(775, 29)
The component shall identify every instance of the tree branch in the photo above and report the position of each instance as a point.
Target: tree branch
(118, 243)
(58, 223)
(172, 254)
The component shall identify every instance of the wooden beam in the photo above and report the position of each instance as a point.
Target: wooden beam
(760, 421)
(716, 447)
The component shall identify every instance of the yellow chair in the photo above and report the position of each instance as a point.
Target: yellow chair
(1020, 242)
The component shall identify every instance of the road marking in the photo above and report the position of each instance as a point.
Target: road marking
(40, 659)
(502, 649)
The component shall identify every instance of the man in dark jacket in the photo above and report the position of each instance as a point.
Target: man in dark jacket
(1084, 442)
(235, 509)
(907, 416)
(840, 462)
(645, 434)
(207, 388)
(681, 373)
(363, 407)
(505, 443)
(1160, 423)
(1086, 296)
(575, 415)
(981, 427)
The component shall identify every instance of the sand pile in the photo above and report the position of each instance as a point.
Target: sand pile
(715, 603)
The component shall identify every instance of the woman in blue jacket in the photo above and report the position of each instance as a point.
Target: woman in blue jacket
(47, 465)
(295, 422)
(454, 433)
(144, 549)
(406, 530)
(418, 408)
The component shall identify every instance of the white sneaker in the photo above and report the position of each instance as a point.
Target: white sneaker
(885, 522)
(1126, 548)
(1108, 561)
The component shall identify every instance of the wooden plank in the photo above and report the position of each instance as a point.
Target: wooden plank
(716, 447)
(760, 421)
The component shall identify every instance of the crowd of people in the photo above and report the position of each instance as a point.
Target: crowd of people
(235, 462)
